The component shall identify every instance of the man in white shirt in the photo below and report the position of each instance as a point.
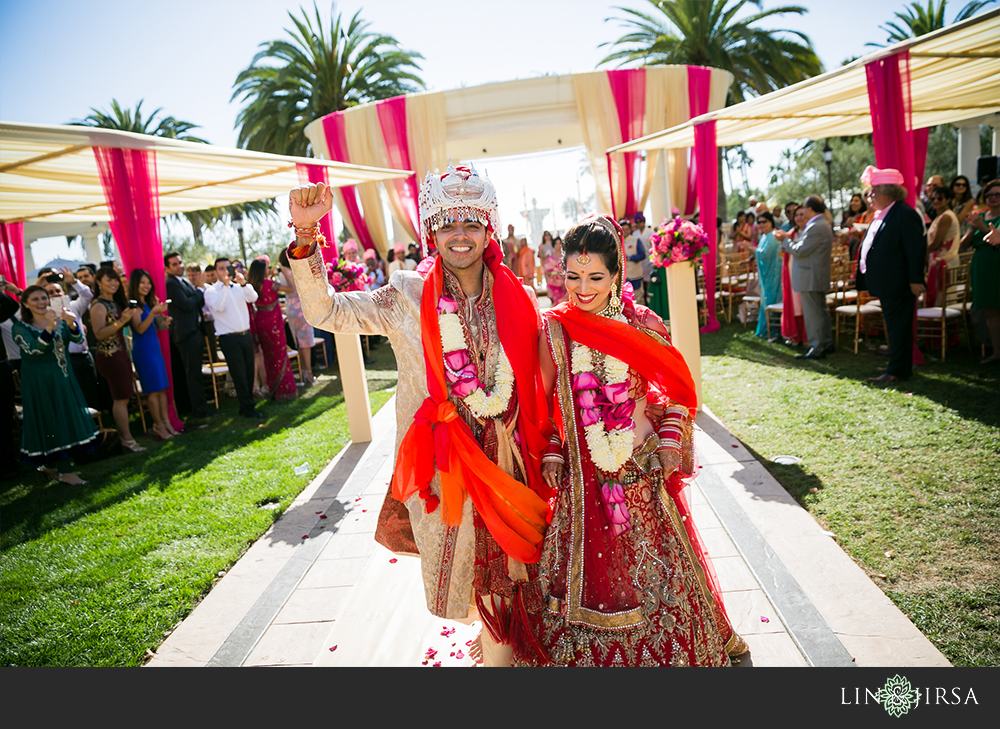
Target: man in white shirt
(228, 300)
(634, 253)
(640, 231)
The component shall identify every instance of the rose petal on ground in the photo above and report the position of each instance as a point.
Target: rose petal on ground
(764, 619)
(437, 664)
(322, 516)
(391, 561)
(333, 648)
(460, 655)
(305, 536)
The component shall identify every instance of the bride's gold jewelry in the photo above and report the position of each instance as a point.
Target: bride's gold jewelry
(583, 260)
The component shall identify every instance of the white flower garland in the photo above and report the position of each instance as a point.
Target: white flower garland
(481, 403)
(609, 451)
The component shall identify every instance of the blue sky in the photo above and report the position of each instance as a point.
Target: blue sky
(61, 58)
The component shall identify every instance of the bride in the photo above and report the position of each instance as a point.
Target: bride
(625, 575)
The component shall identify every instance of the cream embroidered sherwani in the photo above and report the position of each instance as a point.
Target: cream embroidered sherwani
(447, 553)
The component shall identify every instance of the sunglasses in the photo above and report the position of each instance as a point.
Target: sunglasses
(959, 184)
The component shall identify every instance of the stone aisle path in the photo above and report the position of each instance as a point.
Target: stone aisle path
(316, 590)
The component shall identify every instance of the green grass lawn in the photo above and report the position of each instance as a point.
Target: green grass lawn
(97, 575)
(907, 477)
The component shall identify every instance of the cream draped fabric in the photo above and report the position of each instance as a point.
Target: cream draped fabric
(425, 127)
(596, 106)
(666, 105)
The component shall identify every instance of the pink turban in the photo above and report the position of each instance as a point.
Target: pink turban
(369, 253)
(399, 247)
(873, 176)
(350, 245)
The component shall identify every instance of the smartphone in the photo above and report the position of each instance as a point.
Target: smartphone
(167, 301)
(3, 280)
(232, 271)
(54, 277)
(133, 303)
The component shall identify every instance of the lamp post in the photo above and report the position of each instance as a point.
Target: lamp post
(238, 224)
(828, 158)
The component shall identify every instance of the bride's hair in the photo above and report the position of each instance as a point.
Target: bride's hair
(592, 238)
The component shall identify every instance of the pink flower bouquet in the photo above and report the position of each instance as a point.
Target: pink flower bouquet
(677, 240)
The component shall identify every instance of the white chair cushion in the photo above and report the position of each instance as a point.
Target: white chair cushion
(934, 312)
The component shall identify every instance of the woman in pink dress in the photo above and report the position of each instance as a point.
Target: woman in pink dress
(270, 325)
(793, 322)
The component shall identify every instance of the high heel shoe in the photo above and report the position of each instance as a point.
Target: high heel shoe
(133, 446)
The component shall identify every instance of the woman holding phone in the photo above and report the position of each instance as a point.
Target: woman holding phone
(110, 313)
(146, 353)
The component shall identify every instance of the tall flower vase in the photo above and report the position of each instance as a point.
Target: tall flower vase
(684, 332)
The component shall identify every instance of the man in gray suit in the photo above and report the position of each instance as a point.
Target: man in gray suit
(811, 255)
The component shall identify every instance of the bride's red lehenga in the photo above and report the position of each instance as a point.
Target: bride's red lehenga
(649, 596)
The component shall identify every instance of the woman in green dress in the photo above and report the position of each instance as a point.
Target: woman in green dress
(57, 424)
(984, 272)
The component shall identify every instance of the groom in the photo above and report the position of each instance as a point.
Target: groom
(471, 417)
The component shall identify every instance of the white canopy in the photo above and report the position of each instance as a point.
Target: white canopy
(49, 173)
(955, 75)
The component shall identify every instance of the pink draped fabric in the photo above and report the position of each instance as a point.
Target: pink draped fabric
(892, 129)
(336, 139)
(629, 90)
(12, 253)
(708, 189)
(920, 137)
(317, 173)
(392, 120)
(699, 89)
(131, 189)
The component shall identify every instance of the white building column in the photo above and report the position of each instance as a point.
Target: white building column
(659, 191)
(92, 246)
(968, 149)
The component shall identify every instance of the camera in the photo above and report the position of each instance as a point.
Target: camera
(54, 277)
(232, 271)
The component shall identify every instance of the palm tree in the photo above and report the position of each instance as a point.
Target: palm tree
(709, 33)
(918, 20)
(127, 120)
(318, 71)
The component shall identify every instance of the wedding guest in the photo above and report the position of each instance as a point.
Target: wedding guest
(147, 355)
(302, 331)
(984, 272)
(943, 238)
(79, 352)
(227, 299)
(555, 276)
(374, 274)
(271, 333)
(56, 423)
(810, 274)
(891, 267)
(110, 313)
(768, 256)
(962, 201)
(790, 208)
(186, 302)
